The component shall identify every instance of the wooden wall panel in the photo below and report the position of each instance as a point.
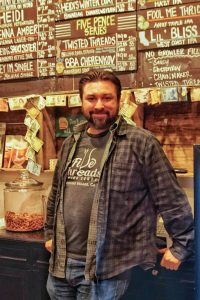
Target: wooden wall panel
(177, 128)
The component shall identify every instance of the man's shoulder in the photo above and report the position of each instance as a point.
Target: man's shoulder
(132, 129)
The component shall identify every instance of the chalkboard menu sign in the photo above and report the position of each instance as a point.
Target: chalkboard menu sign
(169, 67)
(169, 26)
(42, 38)
(27, 69)
(84, 8)
(27, 33)
(143, 4)
(107, 41)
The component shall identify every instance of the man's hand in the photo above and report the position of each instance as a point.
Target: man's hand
(169, 261)
(48, 245)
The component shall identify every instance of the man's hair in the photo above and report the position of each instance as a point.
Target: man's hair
(100, 75)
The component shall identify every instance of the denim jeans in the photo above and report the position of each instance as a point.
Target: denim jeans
(75, 287)
(112, 288)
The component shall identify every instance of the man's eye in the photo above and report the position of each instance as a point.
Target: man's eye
(107, 98)
(90, 98)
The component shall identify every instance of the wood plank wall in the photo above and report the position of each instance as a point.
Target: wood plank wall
(177, 127)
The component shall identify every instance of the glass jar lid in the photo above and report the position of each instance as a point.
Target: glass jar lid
(24, 181)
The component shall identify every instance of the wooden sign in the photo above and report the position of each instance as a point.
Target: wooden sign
(107, 41)
(46, 67)
(27, 30)
(169, 26)
(169, 67)
(84, 8)
(27, 69)
(144, 4)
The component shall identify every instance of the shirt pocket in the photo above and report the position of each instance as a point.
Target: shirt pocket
(126, 177)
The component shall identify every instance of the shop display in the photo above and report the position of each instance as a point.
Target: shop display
(24, 201)
(15, 152)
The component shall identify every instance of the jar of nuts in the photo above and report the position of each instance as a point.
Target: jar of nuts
(24, 204)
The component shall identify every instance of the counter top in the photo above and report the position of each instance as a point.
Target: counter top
(34, 236)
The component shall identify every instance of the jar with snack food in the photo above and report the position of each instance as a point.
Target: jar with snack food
(24, 204)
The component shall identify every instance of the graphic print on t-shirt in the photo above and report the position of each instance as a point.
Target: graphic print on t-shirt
(83, 176)
(84, 169)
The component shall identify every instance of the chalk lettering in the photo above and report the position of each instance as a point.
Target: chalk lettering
(27, 30)
(95, 31)
(73, 15)
(7, 33)
(24, 66)
(184, 32)
(195, 52)
(102, 41)
(83, 23)
(95, 26)
(171, 12)
(23, 48)
(162, 3)
(154, 14)
(171, 53)
(97, 60)
(74, 44)
(12, 16)
(71, 62)
(178, 42)
(13, 2)
(69, 6)
(100, 11)
(190, 10)
(191, 82)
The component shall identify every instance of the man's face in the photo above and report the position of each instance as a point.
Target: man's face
(100, 105)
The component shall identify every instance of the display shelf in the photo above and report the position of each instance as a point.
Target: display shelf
(186, 175)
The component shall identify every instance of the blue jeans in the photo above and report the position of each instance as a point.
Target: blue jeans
(75, 287)
(112, 288)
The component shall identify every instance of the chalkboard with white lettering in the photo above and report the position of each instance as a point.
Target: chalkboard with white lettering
(69, 9)
(107, 41)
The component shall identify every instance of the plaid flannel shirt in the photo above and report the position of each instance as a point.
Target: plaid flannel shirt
(137, 182)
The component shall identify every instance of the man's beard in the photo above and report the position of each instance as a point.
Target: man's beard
(103, 123)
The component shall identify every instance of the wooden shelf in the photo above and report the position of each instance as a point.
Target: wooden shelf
(189, 175)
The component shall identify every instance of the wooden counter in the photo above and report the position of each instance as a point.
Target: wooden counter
(24, 270)
(23, 266)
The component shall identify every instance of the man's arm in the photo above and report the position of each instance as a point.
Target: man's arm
(171, 203)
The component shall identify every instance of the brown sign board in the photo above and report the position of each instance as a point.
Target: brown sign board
(169, 26)
(107, 41)
(69, 9)
(18, 4)
(144, 4)
(27, 69)
(27, 32)
(169, 67)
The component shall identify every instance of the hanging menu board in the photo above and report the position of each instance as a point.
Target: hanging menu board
(107, 41)
(143, 4)
(27, 32)
(84, 8)
(27, 69)
(169, 67)
(169, 26)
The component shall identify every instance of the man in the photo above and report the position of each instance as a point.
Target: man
(110, 182)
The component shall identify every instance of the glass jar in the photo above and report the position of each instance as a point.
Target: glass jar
(24, 201)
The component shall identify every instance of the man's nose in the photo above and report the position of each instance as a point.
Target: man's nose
(99, 104)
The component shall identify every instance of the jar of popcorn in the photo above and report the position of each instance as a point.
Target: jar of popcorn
(24, 204)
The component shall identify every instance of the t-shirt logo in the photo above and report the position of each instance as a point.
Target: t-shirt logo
(84, 170)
